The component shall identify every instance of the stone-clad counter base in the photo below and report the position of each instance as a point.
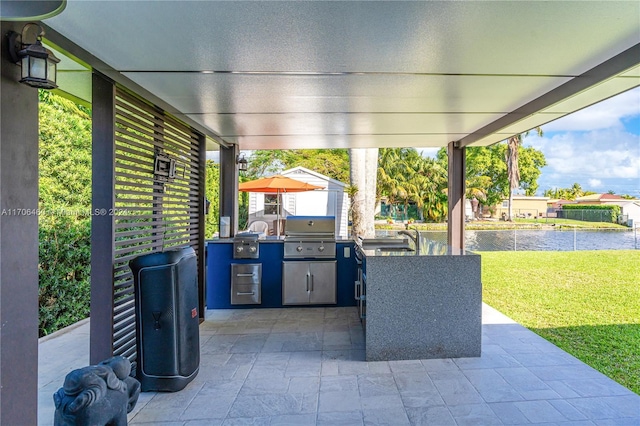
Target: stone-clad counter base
(421, 307)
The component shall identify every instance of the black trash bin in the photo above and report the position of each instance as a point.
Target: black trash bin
(167, 340)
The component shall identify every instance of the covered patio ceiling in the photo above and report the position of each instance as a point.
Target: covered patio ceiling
(337, 74)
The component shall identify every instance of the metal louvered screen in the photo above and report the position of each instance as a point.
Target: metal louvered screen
(157, 199)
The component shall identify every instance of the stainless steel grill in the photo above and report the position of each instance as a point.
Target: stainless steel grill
(310, 237)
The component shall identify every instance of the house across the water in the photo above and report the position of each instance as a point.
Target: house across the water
(523, 206)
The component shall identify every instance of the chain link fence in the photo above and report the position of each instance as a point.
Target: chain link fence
(544, 240)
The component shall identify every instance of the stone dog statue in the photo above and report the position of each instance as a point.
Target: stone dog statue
(97, 395)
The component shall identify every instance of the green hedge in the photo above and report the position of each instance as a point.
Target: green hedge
(63, 271)
(599, 213)
(65, 200)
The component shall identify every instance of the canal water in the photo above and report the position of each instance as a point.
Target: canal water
(543, 240)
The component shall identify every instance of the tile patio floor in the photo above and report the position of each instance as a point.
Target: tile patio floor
(306, 367)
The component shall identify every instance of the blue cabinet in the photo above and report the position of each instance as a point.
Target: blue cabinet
(220, 259)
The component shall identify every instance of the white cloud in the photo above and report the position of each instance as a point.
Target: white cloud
(610, 153)
(606, 114)
(599, 160)
(595, 183)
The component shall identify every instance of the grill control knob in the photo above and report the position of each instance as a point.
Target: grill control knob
(252, 249)
(321, 248)
(299, 248)
(239, 249)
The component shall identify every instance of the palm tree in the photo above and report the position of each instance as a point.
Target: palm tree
(395, 174)
(390, 181)
(431, 184)
(363, 167)
(576, 191)
(513, 171)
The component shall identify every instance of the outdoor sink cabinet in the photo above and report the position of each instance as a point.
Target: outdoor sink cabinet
(421, 304)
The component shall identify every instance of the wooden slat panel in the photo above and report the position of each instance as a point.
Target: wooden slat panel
(124, 307)
(127, 350)
(150, 215)
(125, 276)
(124, 324)
(139, 155)
(125, 291)
(137, 249)
(122, 225)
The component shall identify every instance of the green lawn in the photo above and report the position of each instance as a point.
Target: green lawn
(585, 302)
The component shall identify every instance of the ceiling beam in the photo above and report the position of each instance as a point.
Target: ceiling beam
(606, 70)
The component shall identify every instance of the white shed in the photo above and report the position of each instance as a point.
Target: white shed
(332, 200)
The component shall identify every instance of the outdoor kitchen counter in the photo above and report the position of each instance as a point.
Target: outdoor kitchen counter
(219, 258)
(422, 305)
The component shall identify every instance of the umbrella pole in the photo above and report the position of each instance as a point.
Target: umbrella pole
(278, 213)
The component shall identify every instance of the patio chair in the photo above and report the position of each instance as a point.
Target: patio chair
(259, 226)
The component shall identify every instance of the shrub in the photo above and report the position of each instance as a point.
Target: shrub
(63, 271)
(599, 213)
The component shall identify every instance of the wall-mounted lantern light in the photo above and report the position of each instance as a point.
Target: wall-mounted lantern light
(39, 65)
(242, 163)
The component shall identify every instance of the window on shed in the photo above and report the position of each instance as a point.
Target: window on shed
(271, 203)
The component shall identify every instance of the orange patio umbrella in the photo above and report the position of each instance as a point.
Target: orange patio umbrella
(276, 185)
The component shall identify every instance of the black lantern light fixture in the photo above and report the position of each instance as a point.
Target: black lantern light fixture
(39, 65)
(242, 163)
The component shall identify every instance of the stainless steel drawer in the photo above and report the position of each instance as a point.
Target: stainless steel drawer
(246, 274)
(246, 284)
(246, 294)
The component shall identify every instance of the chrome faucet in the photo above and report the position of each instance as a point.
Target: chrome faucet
(415, 238)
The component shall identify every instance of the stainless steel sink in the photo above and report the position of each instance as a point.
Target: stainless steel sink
(407, 248)
(387, 244)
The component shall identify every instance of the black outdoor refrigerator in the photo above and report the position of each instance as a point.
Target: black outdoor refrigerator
(166, 294)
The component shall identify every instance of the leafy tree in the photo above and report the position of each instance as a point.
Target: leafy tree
(486, 171)
(267, 162)
(329, 162)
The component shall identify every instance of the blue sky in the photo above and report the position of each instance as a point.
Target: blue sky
(597, 147)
